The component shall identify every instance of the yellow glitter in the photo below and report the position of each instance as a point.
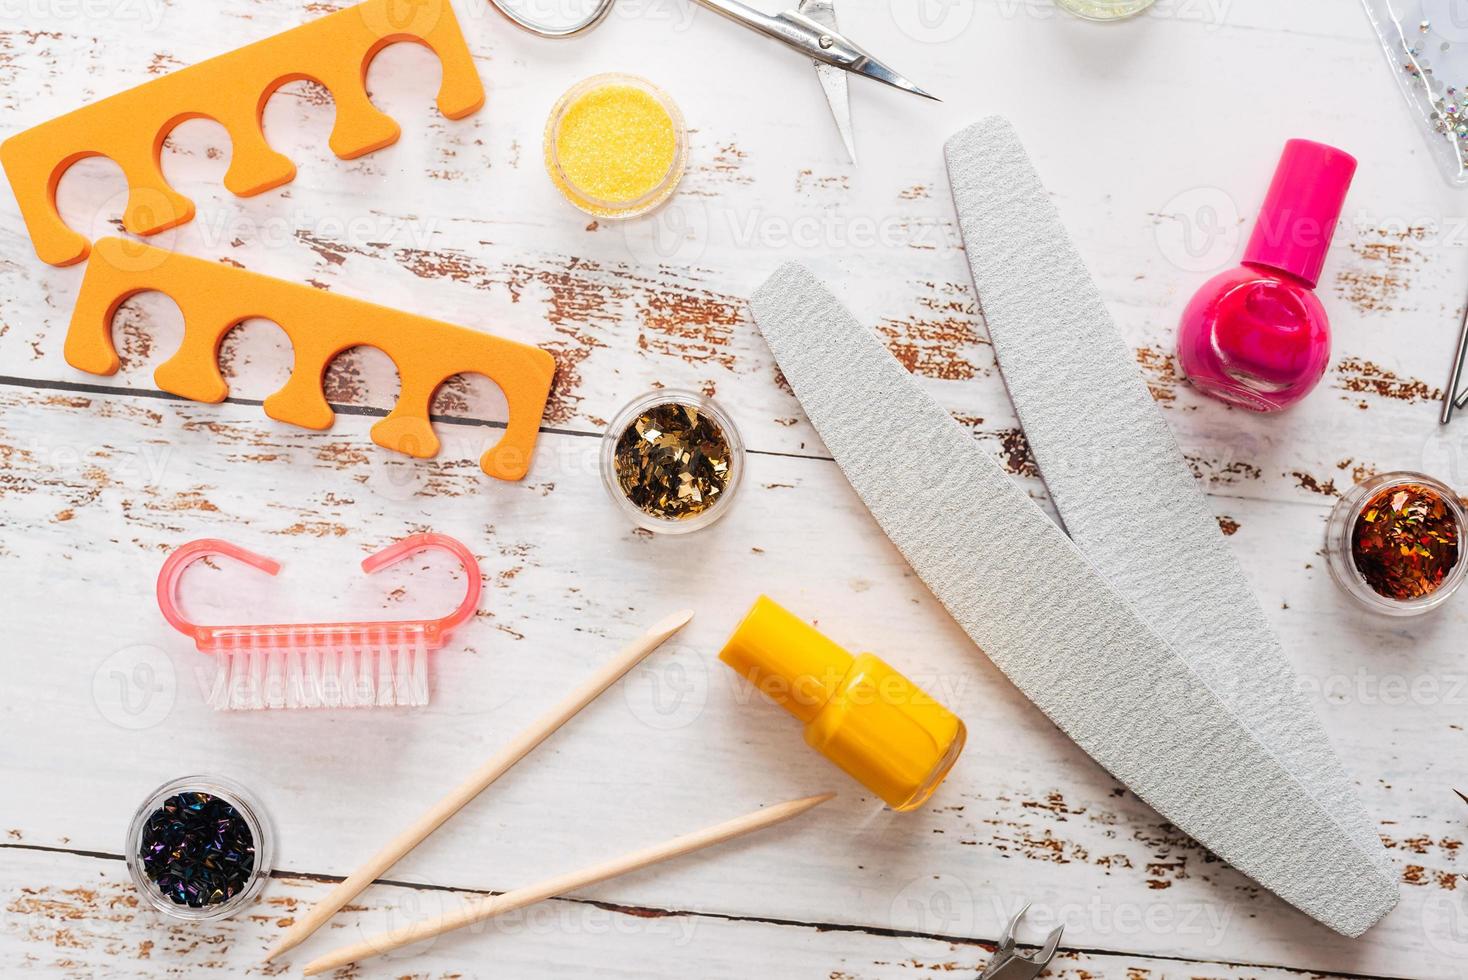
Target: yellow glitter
(613, 147)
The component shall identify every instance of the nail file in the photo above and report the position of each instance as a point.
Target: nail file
(1025, 593)
(1124, 492)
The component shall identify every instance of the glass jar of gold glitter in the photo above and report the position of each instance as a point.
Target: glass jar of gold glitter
(616, 146)
(672, 461)
(1394, 543)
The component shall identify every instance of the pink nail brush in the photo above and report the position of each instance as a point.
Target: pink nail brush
(319, 665)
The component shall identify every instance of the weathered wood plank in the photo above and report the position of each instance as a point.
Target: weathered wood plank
(97, 488)
(80, 917)
(458, 221)
(1156, 164)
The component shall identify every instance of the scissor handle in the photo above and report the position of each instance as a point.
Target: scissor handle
(598, 15)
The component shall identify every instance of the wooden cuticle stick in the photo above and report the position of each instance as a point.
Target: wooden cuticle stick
(629, 657)
(561, 884)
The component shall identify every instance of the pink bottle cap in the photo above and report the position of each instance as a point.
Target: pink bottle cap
(1302, 208)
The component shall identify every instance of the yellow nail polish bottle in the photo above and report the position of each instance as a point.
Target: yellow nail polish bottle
(881, 728)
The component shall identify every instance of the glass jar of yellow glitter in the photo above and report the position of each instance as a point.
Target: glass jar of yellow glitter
(672, 461)
(1106, 9)
(616, 146)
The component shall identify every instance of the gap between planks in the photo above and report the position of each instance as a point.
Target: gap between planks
(645, 911)
(367, 411)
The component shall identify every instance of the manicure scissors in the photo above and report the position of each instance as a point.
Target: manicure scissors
(1008, 964)
(810, 29)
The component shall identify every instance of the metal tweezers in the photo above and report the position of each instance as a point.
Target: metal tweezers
(811, 29)
(1008, 964)
(1451, 398)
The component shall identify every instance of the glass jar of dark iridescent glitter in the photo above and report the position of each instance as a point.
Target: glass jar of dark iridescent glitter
(1394, 543)
(672, 461)
(199, 848)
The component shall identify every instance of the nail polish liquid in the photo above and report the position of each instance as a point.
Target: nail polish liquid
(1257, 336)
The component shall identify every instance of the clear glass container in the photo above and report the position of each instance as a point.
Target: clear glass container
(1340, 556)
(249, 809)
(1106, 9)
(669, 396)
(652, 190)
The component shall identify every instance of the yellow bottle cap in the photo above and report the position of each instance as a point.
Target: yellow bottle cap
(878, 726)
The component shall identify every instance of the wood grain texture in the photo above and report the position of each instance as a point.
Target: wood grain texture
(1150, 138)
(86, 920)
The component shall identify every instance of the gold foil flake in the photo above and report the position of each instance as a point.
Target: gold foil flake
(673, 461)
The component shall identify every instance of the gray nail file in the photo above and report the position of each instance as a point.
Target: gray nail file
(1124, 491)
(1027, 596)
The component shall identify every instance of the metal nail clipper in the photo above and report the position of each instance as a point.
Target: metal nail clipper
(810, 29)
(1008, 964)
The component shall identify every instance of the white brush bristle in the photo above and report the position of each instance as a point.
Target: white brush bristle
(346, 675)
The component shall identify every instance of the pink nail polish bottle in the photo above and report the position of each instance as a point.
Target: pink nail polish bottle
(1257, 336)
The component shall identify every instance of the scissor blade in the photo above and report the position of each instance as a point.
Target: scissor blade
(872, 68)
(832, 79)
(797, 30)
(838, 97)
(856, 58)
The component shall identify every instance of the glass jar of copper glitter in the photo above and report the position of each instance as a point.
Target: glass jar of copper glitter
(672, 461)
(199, 848)
(616, 146)
(1394, 543)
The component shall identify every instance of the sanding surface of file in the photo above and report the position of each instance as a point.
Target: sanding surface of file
(1027, 596)
(1124, 491)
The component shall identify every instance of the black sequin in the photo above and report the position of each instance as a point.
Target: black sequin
(198, 850)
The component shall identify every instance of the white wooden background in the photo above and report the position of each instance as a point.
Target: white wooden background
(1157, 138)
